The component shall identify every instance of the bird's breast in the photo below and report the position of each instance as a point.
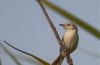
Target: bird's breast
(69, 39)
(68, 36)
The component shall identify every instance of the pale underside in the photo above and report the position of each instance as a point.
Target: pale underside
(70, 40)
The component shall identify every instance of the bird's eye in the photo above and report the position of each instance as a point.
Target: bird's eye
(68, 24)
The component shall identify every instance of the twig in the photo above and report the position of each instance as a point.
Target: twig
(64, 51)
(69, 59)
(51, 24)
(59, 59)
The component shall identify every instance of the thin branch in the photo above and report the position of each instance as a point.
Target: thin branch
(69, 60)
(60, 58)
(51, 24)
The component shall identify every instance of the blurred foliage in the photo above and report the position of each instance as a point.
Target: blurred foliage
(73, 18)
(33, 56)
(8, 52)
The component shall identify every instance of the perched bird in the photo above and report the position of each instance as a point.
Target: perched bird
(70, 38)
(69, 41)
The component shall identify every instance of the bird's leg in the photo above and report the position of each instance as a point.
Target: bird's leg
(69, 60)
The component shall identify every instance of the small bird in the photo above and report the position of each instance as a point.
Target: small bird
(69, 41)
(70, 38)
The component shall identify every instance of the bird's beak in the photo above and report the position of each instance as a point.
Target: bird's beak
(61, 24)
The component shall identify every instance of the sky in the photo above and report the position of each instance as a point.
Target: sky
(24, 26)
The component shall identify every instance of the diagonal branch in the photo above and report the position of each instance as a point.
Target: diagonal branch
(60, 58)
(64, 51)
(51, 24)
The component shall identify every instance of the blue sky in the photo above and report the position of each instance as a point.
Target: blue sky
(23, 24)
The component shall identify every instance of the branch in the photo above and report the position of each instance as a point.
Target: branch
(59, 59)
(64, 51)
(51, 24)
(69, 60)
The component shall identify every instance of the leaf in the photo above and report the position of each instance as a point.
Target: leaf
(73, 18)
(33, 56)
(10, 54)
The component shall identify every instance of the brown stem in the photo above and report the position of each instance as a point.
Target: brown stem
(69, 59)
(50, 23)
(60, 58)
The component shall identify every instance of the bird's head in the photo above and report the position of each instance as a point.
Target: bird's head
(69, 26)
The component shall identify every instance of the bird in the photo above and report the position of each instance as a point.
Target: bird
(69, 41)
(70, 38)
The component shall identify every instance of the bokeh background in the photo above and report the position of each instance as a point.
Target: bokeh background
(24, 26)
